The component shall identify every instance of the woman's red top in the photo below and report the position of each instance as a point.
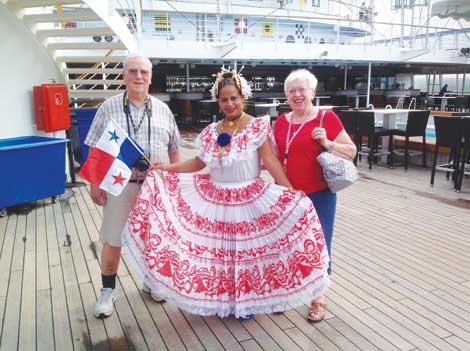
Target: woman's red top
(303, 170)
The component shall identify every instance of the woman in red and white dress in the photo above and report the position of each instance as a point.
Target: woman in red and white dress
(228, 242)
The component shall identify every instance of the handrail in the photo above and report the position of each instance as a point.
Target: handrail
(411, 102)
(400, 103)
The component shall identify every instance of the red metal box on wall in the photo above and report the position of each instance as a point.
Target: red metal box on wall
(51, 107)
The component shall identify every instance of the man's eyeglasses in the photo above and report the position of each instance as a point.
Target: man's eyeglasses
(135, 71)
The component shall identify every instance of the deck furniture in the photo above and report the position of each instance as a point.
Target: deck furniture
(416, 124)
(366, 128)
(464, 167)
(349, 119)
(448, 134)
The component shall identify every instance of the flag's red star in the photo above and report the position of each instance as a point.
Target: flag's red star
(118, 179)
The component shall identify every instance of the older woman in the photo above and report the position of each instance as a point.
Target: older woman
(300, 139)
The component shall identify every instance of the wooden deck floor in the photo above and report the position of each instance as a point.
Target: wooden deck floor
(401, 280)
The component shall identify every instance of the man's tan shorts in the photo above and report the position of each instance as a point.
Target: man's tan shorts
(115, 214)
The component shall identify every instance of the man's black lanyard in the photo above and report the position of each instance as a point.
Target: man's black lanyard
(130, 120)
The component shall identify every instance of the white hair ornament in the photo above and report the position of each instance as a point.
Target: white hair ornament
(240, 81)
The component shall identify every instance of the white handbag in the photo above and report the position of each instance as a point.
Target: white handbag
(338, 172)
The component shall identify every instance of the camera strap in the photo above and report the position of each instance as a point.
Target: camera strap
(130, 120)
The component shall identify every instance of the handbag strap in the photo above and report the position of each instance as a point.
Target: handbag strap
(323, 112)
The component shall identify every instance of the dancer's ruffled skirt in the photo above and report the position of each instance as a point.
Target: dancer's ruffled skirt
(224, 248)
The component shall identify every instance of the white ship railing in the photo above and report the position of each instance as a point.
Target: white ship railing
(298, 30)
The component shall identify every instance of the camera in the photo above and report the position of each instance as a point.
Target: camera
(141, 164)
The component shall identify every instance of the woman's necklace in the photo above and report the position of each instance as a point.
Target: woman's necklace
(289, 140)
(225, 139)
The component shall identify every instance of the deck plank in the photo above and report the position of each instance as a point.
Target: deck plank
(11, 321)
(182, 326)
(146, 323)
(222, 333)
(27, 339)
(265, 340)
(251, 345)
(297, 317)
(78, 327)
(129, 321)
(60, 312)
(45, 325)
(205, 335)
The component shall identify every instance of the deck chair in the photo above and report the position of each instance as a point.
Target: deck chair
(464, 169)
(366, 128)
(415, 127)
(349, 121)
(448, 134)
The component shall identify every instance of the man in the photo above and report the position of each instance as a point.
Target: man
(152, 125)
(443, 90)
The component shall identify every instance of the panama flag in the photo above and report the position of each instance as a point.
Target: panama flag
(109, 163)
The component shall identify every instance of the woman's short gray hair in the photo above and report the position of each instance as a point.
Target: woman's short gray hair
(134, 55)
(300, 74)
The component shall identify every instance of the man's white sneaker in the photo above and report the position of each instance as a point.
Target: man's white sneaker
(105, 305)
(155, 297)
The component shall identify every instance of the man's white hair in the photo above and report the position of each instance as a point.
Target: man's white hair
(134, 55)
(300, 74)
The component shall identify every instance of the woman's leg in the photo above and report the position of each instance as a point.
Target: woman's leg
(324, 202)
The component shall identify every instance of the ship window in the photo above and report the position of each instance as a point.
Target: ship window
(290, 39)
(316, 3)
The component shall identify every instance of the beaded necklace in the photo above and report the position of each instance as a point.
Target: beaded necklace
(291, 139)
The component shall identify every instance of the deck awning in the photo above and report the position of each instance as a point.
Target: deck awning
(456, 9)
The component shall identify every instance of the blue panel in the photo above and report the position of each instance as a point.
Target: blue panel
(32, 168)
(128, 153)
(82, 118)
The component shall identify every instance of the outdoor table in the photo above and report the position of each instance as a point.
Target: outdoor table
(387, 118)
(443, 100)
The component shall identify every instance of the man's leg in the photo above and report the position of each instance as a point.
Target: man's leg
(110, 257)
(115, 214)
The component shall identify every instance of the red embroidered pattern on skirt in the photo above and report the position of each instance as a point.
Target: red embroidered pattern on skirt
(226, 196)
(262, 225)
(260, 278)
(265, 276)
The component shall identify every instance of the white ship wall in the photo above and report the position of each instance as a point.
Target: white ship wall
(23, 63)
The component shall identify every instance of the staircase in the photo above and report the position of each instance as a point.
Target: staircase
(88, 39)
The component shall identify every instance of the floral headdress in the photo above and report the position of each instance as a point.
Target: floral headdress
(240, 81)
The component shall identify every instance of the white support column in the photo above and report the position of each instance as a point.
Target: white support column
(428, 17)
(463, 81)
(345, 85)
(187, 77)
(368, 83)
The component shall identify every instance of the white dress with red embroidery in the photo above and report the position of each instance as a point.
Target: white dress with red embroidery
(227, 242)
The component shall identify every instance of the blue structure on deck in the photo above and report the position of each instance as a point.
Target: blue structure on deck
(82, 119)
(32, 168)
